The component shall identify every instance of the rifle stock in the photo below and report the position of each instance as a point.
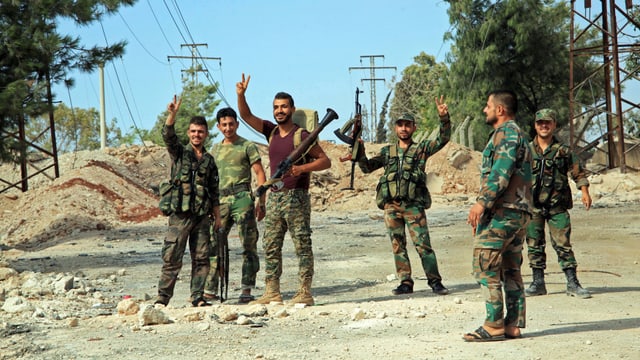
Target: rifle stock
(286, 164)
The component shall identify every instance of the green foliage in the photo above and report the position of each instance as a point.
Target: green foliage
(76, 130)
(632, 61)
(34, 55)
(416, 92)
(521, 45)
(197, 100)
(381, 128)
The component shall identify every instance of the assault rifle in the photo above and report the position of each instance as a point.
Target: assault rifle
(353, 140)
(223, 263)
(296, 154)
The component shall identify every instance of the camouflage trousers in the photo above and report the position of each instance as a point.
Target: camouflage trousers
(288, 210)
(240, 211)
(397, 216)
(184, 229)
(559, 233)
(497, 259)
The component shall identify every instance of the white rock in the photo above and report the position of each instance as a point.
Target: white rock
(204, 326)
(149, 315)
(357, 314)
(243, 320)
(7, 272)
(64, 284)
(16, 304)
(282, 313)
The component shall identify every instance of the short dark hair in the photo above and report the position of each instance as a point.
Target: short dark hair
(199, 120)
(226, 112)
(283, 95)
(506, 98)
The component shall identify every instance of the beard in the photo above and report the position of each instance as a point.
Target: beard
(285, 120)
(491, 120)
(404, 137)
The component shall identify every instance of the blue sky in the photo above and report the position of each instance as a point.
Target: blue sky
(302, 47)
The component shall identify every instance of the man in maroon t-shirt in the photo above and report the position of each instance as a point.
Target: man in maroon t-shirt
(289, 207)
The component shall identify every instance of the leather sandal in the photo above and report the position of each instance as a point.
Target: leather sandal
(482, 335)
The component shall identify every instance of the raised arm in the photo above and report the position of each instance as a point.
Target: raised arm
(243, 108)
(172, 109)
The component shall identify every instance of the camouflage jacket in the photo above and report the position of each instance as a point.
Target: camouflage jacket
(234, 163)
(550, 168)
(506, 170)
(405, 176)
(197, 179)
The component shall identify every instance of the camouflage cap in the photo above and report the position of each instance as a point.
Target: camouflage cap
(545, 114)
(406, 117)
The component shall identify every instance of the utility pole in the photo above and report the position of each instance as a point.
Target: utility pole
(103, 122)
(373, 119)
(195, 68)
(613, 22)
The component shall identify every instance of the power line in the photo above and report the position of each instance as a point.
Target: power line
(195, 56)
(373, 119)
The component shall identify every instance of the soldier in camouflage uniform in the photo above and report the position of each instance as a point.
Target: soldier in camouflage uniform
(197, 181)
(236, 157)
(289, 206)
(403, 195)
(552, 161)
(499, 219)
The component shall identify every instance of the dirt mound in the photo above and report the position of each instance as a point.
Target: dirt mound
(95, 196)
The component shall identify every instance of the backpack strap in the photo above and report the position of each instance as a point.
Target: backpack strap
(297, 140)
(297, 136)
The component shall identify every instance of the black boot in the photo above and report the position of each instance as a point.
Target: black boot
(573, 286)
(537, 287)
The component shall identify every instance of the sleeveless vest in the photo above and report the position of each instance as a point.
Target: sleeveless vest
(551, 183)
(403, 179)
(187, 190)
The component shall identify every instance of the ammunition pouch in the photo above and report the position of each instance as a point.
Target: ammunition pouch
(386, 184)
(170, 198)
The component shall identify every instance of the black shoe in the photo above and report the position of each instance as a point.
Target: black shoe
(439, 289)
(403, 289)
(161, 300)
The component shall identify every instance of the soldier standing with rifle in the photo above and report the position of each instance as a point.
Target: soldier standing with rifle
(235, 157)
(289, 206)
(403, 195)
(552, 161)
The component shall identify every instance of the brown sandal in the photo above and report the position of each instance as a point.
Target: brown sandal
(482, 335)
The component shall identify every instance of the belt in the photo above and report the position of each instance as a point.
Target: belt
(235, 189)
(286, 190)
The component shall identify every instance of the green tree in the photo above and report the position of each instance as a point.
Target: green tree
(381, 128)
(197, 100)
(632, 61)
(34, 55)
(415, 93)
(77, 129)
(521, 45)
